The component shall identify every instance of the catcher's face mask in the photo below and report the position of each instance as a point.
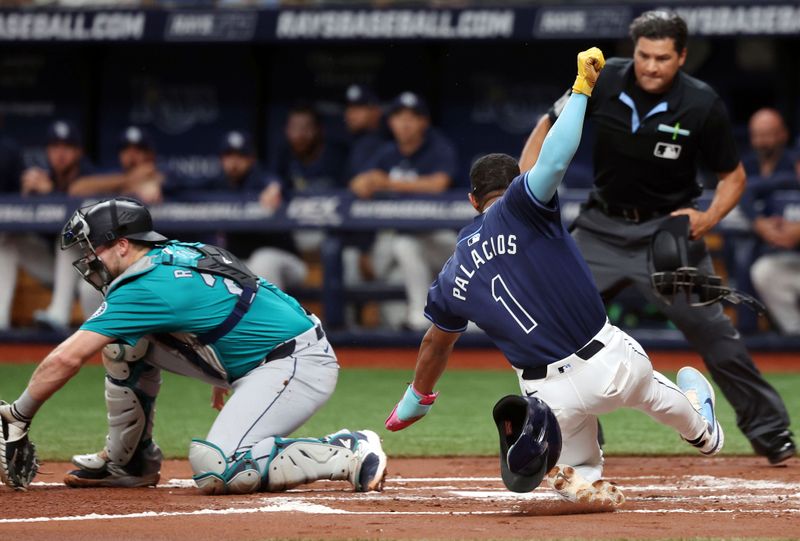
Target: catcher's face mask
(89, 266)
(673, 260)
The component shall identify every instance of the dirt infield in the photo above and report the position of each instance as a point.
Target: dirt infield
(456, 498)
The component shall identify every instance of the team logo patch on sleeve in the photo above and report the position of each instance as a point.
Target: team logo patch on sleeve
(100, 311)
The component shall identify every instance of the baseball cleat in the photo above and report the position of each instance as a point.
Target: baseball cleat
(370, 473)
(109, 476)
(777, 446)
(572, 487)
(94, 462)
(95, 470)
(701, 394)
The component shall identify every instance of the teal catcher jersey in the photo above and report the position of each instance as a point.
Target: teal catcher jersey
(154, 297)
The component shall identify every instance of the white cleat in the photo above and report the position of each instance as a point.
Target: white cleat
(572, 487)
(371, 471)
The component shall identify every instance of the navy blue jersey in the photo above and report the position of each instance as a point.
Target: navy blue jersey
(363, 150)
(11, 165)
(436, 155)
(785, 165)
(85, 168)
(517, 273)
(325, 172)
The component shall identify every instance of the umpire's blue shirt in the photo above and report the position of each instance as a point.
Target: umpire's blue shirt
(518, 275)
(436, 155)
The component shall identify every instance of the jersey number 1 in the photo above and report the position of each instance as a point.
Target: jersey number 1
(501, 294)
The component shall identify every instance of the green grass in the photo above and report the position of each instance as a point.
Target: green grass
(74, 420)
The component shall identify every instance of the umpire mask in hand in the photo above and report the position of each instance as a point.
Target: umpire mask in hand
(674, 258)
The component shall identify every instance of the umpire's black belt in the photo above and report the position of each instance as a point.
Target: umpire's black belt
(287, 348)
(635, 214)
(586, 352)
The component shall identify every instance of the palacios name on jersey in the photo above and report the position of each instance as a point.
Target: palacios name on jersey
(482, 253)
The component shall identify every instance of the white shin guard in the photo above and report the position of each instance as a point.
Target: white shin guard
(213, 474)
(298, 462)
(126, 422)
(131, 387)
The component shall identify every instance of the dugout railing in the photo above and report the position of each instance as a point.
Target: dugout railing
(340, 215)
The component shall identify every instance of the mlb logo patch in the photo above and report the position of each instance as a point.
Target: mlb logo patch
(668, 151)
(473, 239)
(563, 369)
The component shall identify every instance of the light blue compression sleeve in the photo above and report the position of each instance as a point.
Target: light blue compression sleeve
(558, 149)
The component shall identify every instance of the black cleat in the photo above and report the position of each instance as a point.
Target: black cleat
(777, 446)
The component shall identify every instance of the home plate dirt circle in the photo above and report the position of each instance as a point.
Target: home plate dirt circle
(434, 498)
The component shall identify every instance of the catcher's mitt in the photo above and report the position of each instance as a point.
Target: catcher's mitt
(18, 464)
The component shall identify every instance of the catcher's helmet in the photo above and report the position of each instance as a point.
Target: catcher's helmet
(674, 261)
(100, 224)
(530, 441)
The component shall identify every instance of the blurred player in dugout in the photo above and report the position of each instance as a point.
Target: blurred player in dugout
(652, 122)
(776, 273)
(65, 166)
(418, 160)
(271, 255)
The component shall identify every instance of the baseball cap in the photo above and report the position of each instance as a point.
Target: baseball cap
(360, 95)
(136, 136)
(409, 100)
(237, 141)
(63, 131)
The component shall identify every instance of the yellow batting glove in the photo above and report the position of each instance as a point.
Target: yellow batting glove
(590, 62)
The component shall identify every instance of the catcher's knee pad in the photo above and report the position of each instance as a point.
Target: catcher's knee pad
(214, 474)
(295, 462)
(530, 441)
(116, 358)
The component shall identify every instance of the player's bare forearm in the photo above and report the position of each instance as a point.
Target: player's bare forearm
(434, 351)
(430, 184)
(533, 146)
(98, 184)
(729, 191)
(64, 362)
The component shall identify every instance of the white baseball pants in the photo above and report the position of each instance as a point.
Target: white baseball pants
(618, 376)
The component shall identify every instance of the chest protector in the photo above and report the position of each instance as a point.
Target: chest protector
(205, 258)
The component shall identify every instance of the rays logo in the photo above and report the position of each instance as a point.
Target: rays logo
(173, 108)
(667, 151)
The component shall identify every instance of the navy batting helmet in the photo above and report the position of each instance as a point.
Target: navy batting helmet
(530, 441)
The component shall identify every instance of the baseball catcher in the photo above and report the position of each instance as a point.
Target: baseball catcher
(195, 310)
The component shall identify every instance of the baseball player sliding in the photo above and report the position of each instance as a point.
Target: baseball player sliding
(195, 310)
(518, 275)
